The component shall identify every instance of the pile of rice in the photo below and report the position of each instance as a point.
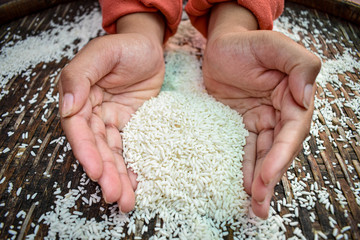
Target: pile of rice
(187, 151)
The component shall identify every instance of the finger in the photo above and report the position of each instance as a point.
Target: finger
(133, 178)
(276, 51)
(249, 161)
(259, 190)
(291, 131)
(113, 139)
(73, 92)
(258, 122)
(286, 146)
(261, 209)
(301, 82)
(262, 193)
(116, 115)
(302, 66)
(126, 201)
(83, 143)
(110, 180)
(91, 64)
(117, 187)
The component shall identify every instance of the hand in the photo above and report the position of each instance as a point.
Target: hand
(269, 79)
(99, 90)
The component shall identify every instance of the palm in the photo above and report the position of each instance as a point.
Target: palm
(248, 80)
(119, 78)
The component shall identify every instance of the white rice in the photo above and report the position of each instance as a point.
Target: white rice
(187, 151)
(63, 221)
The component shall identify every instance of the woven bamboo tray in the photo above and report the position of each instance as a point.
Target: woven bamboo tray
(30, 148)
(346, 9)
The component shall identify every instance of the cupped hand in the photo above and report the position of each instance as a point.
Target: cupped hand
(269, 79)
(99, 90)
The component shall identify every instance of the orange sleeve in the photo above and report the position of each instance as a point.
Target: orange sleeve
(112, 10)
(265, 11)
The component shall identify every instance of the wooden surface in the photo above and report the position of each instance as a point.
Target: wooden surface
(30, 162)
(346, 9)
(14, 9)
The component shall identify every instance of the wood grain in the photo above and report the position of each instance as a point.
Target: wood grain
(37, 175)
(348, 10)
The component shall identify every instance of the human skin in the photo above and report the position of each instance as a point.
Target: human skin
(106, 82)
(265, 76)
(269, 79)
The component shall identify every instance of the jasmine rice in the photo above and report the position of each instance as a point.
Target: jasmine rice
(187, 150)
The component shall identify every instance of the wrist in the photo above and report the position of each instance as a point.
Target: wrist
(151, 25)
(230, 17)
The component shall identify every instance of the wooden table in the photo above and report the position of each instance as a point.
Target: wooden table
(35, 159)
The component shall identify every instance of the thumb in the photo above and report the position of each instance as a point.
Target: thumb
(276, 51)
(88, 67)
(302, 78)
(73, 93)
(302, 67)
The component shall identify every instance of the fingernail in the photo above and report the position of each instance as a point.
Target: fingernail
(268, 182)
(105, 199)
(93, 179)
(121, 212)
(89, 176)
(67, 104)
(307, 95)
(265, 217)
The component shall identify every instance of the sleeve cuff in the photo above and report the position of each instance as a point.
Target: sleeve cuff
(265, 11)
(112, 10)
